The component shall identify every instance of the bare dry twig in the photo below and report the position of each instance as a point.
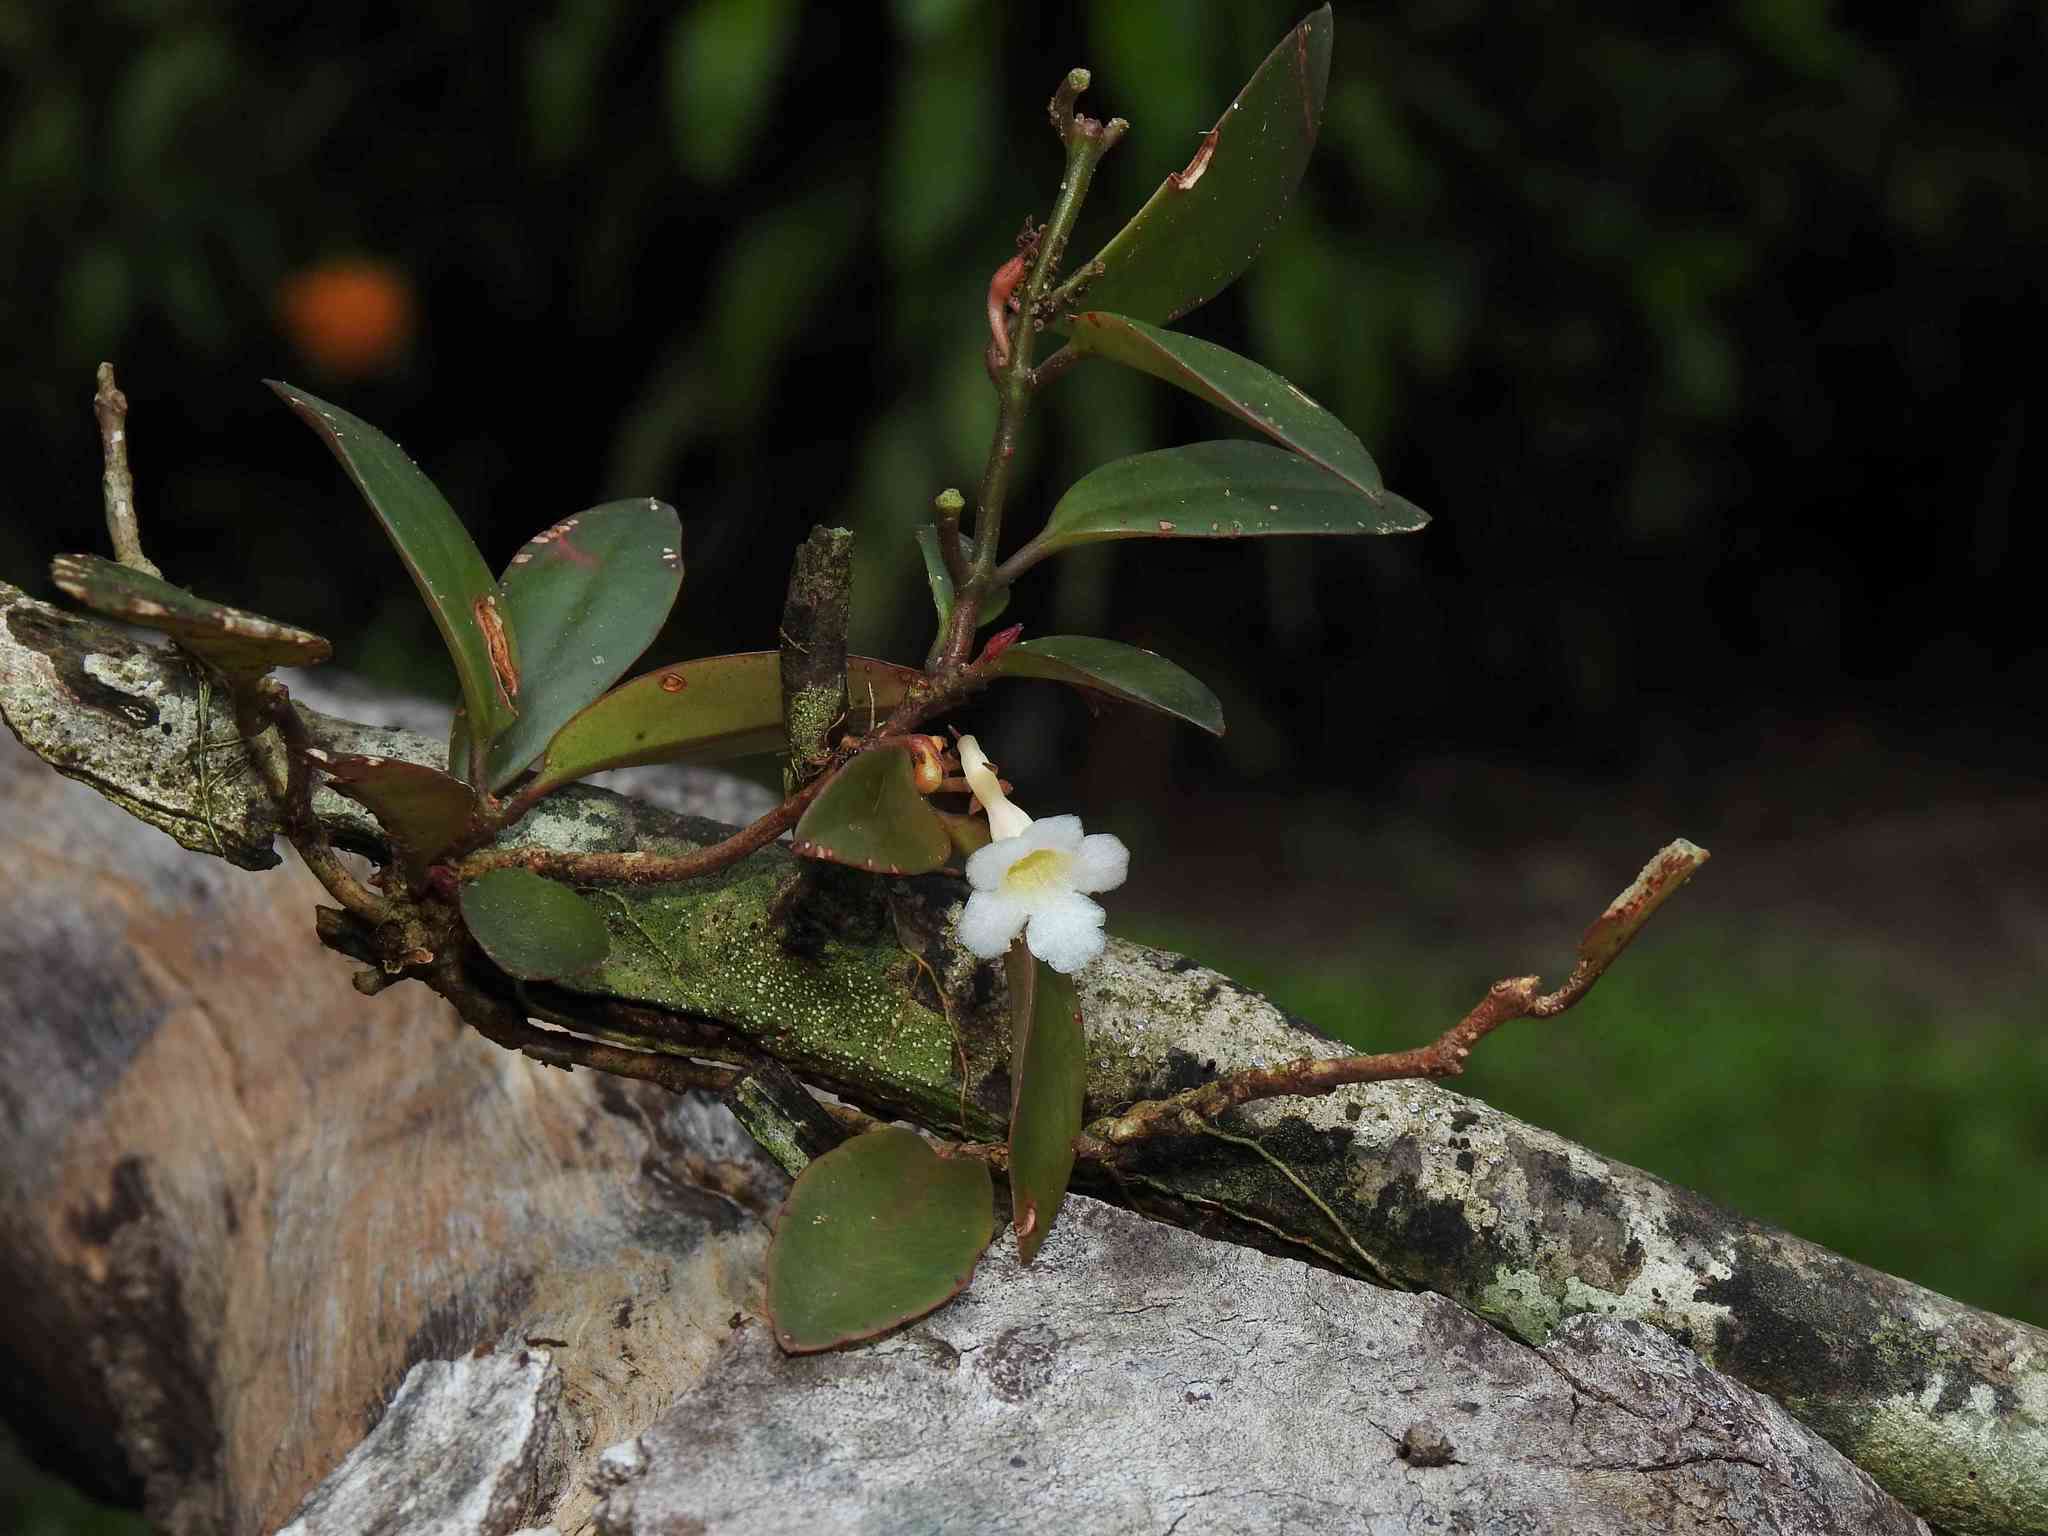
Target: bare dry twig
(110, 407)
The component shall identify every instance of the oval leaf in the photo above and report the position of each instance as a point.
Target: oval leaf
(702, 711)
(1252, 392)
(969, 834)
(243, 645)
(422, 809)
(870, 815)
(533, 928)
(1121, 671)
(1207, 222)
(1226, 490)
(1048, 1081)
(585, 597)
(878, 1231)
(437, 550)
(941, 579)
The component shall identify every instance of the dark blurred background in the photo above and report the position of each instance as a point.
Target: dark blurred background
(1701, 333)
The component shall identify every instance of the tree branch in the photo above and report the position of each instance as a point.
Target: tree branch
(871, 998)
(1517, 997)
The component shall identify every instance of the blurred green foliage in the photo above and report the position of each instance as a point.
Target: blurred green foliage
(1634, 299)
(1796, 1082)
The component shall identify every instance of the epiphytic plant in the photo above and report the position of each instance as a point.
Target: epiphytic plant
(885, 1225)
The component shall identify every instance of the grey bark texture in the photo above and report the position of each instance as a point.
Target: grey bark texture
(1945, 1405)
(1139, 1378)
(467, 1447)
(243, 1208)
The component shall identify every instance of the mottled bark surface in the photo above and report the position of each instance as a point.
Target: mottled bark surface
(238, 1201)
(1946, 1405)
(1138, 1378)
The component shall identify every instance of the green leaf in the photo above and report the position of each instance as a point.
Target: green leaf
(422, 809)
(702, 711)
(585, 597)
(1224, 490)
(1048, 1080)
(533, 928)
(941, 579)
(1207, 222)
(870, 815)
(437, 550)
(1121, 671)
(969, 834)
(243, 645)
(878, 1231)
(1250, 391)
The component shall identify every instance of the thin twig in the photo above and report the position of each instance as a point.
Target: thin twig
(643, 868)
(110, 406)
(1519, 997)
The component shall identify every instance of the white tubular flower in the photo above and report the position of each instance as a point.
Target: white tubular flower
(1004, 819)
(1034, 877)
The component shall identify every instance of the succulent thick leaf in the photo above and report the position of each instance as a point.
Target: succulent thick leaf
(241, 644)
(870, 815)
(1208, 221)
(533, 928)
(1121, 671)
(422, 809)
(1252, 392)
(437, 550)
(1048, 1079)
(941, 579)
(1224, 490)
(878, 1231)
(585, 597)
(702, 711)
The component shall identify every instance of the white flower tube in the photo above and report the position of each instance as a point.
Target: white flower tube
(1034, 878)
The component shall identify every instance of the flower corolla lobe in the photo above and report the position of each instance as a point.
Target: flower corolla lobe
(1035, 878)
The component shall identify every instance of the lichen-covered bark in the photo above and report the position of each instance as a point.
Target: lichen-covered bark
(1136, 1378)
(855, 985)
(814, 618)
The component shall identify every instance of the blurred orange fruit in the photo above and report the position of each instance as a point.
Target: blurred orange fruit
(353, 316)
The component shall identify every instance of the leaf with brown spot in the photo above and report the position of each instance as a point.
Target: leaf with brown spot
(586, 597)
(702, 711)
(243, 645)
(1208, 221)
(438, 551)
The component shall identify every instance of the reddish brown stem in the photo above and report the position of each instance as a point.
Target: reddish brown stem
(1518, 997)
